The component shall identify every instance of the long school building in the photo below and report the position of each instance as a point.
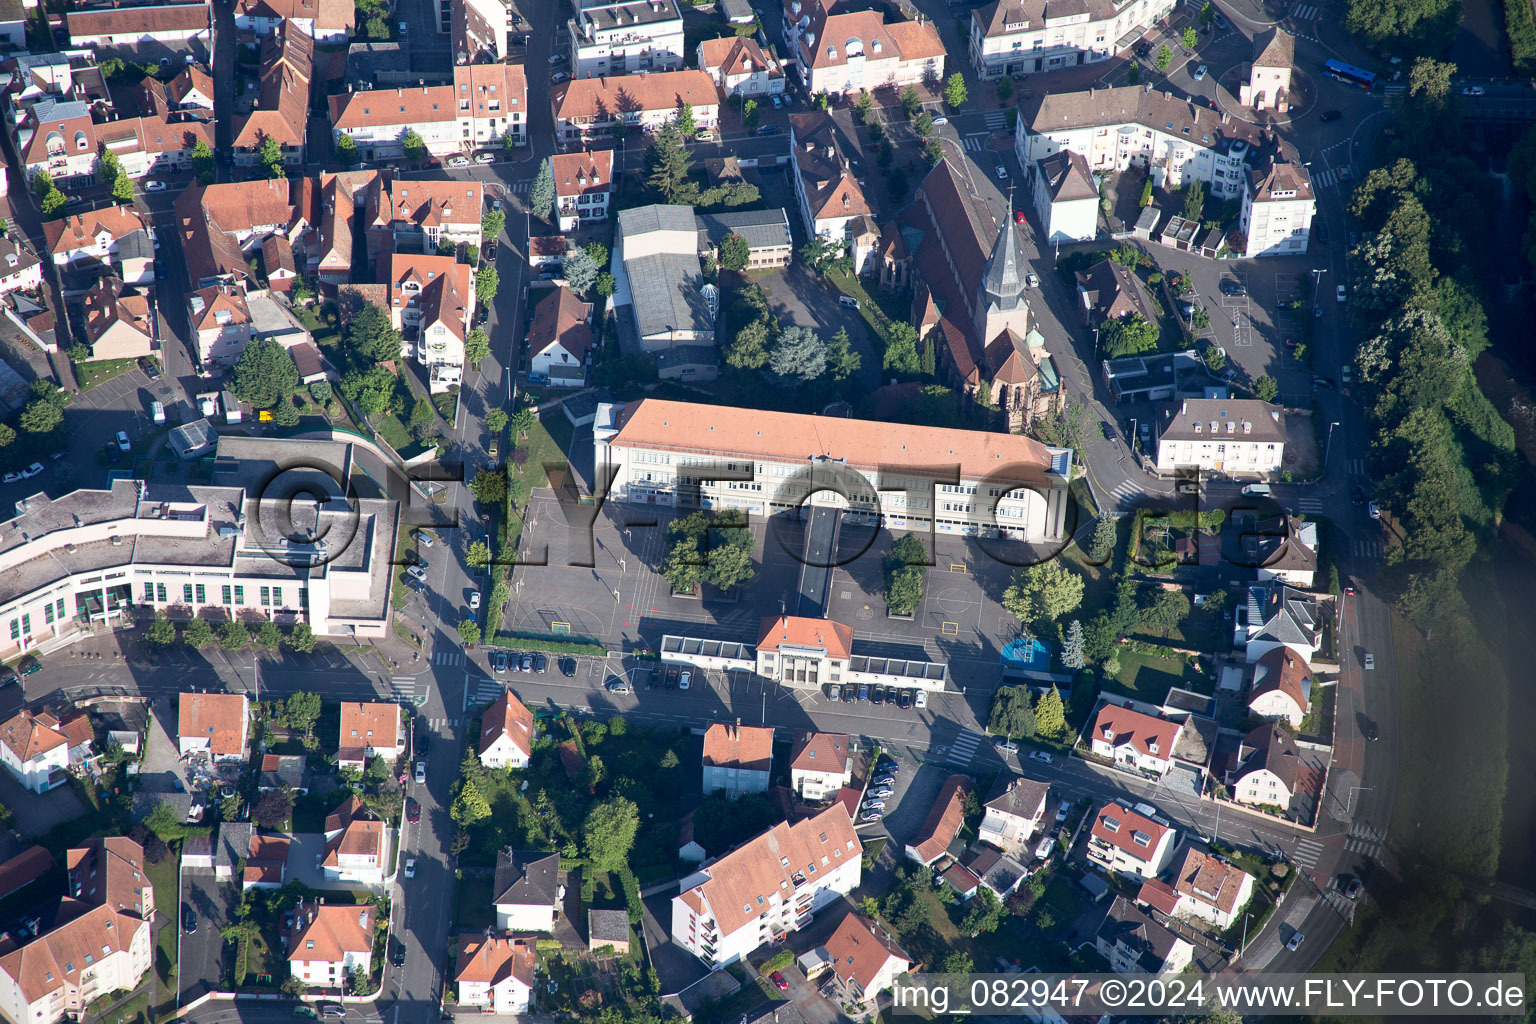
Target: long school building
(674, 453)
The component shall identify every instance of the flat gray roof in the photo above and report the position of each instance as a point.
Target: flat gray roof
(763, 229)
(656, 217)
(665, 289)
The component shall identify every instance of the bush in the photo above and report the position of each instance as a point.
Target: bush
(780, 960)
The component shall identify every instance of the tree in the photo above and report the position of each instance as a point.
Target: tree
(541, 194)
(722, 823)
(863, 107)
(1072, 649)
(41, 416)
(598, 253)
(477, 555)
(1051, 715)
(798, 355)
(487, 283)
(735, 253)
(670, 167)
(1164, 57)
(1189, 38)
(202, 160)
(1266, 389)
(268, 636)
(1011, 713)
(469, 631)
(492, 224)
(609, 833)
(469, 806)
(1207, 14)
(161, 632)
(749, 349)
(49, 199)
(522, 422)
(824, 255)
(955, 93)
(922, 125)
(709, 549)
(265, 374)
(371, 338)
(983, 913)
(273, 809)
(605, 285)
(233, 635)
(580, 271)
(496, 420)
(415, 149)
(1165, 610)
(684, 118)
(901, 353)
(911, 102)
(1004, 90)
(929, 360)
(489, 486)
(749, 114)
(1194, 200)
(933, 152)
(842, 360)
(1200, 319)
(477, 346)
(198, 634)
(122, 188)
(1043, 592)
(1146, 193)
(1127, 335)
(301, 638)
(7, 435)
(905, 574)
(346, 151)
(1105, 537)
(957, 963)
(270, 155)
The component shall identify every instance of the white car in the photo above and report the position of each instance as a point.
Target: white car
(1370, 661)
(458, 161)
(410, 867)
(682, 684)
(474, 601)
(421, 771)
(485, 158)
(1002, 172)
(1032, 280)
(940, 121)
(1040, 755)
(416, 572)
(154, 186)
(921, 700)
(32, 471)
(122, 441)
(1200, 72)
(1340, 293)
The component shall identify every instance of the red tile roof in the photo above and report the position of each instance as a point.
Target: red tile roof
(579, 173)
(820, 752)
(507, 717)
(28, 735)
(561, 319)
(860, 948)
(334, 930)
(603, 98)
(217, 717)
(1150, 735)
(944, 819)
(779, 631)
(493, 959)
(747, 747)
(1118, 826)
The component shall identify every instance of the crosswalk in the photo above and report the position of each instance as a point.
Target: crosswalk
(519, 186)
(1364, 839)
(1394, 88)
(1124, 491)
(964, 748)
(1356, 467)
(486, 691)
(1325, 178)
(1306, 853)
(1305, 12)
(445, 723)
(996, 120)
(974, 143)
(448, 658)
(1368, 549)
(1311, 506)
(408, 689)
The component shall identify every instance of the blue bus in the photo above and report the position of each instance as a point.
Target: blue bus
(1349, 74)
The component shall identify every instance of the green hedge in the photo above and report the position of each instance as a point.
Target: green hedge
(548, 945)
(529, 642)
(588, 886)
(631, 886)
(780, 960)
(1521, 29)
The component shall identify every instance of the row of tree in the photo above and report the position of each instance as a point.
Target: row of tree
(230, 634)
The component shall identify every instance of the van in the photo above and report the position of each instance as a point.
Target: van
(1257, 490)
(848, 300)
(157, 411)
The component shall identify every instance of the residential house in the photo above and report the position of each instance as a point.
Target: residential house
(20, 268)
(1134, 741)
(820, 764)
(100, 941)
(266, 862)
(1205, 887)
(995, 870)
(1233, 437)
(1014, 38)
(431, 301)
(223, 324)
(583, 185)
(506, 733)
(279, 771)
(480, 31)
(586, 108)
(331, 941)
(133, 259)
(1281, 687)
(1269, 766)
(767, 887)
(1173, 138)
(218, 723)
(737, 758)
(328, 22)
(766, 232)
(1284, 549)
(688, 848)
(865, 959)
(1014, 814)
(547, 252)
(90, 236)
(492, 105)
(1281, 616)
(140, 31)
(29, 78)
(1128, 842)
(1269, 75)
(1278, 205)
(485, 103)
(228, 852)
(857, 51)
(34, 751)
(63, 139)
(278, 261)
(970, 298)
(610, 929)
(833, 205)
(369, 730)
(625, 37)
(424, 214)
(526, 891)
(495, 973)
(1111, 291)
(189, 93)
(1133, 943)
(942, 825)
(356, 845)
(282, 99)
(1066, 198)
(118, 323)
(740, 67)
(559, 338)
(23, 869)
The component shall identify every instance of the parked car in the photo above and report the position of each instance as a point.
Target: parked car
(776, 977)
(1370, 661)
(874, 804)
(122, 441)
(154, 186)
(1063, 811)
(540, 663)
(1472, 90)
(416, 572)
(920, 699)
(863, 691)
(1340, 293)
(8, 677)
(882, 792)
(557, 58)
(1002, 173)
(778, 101)
(618, 686)
(458, 161)
(474, 601)
(567, 667)
(412, 810)
(884, 780)
(422, 537)
(687, 677)
(672, 674)
(151, 368)
(1040, 755)
(421, 772)
(1200, 73)
(849, 694)
(877, 695)
(525, 662)
(1230, 286)
(872, 816)
(834, 692)
(1351, 887)
(1032, 280)
(1330, 115)
(332, 1010)
(1221, 22)
(1004, 746)
(499, 662)
(1374, 509)
(485, 158)
(410, 867)
(768, 129)
(904, 698)
(1322, 382)
(29, 665)
(188, 920)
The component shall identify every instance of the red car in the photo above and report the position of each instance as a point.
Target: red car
(1018, 216)
(778, 979)
(412, 811)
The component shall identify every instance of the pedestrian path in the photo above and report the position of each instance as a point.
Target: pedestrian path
(448, 658)
(1306, 12)
(996, 120)
(519, 186)
(1394, 89)
(445, 723)
(1356, 467)
(1125, 491)
(1368, 549)
(486, 691)
(974, 143)
(1311, 506)
(1364, 839)
(963, 748)
(405, 689)
(1306, 853)
(1326, 178)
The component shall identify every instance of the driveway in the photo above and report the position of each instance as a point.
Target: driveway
(304, 857)
(163, 770)
(202, 952)
(36, 814)
(807, 998)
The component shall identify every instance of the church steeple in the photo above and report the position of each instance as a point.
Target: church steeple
(1002, 282)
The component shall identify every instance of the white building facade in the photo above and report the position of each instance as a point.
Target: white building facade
(1013, 39)
(625, 38)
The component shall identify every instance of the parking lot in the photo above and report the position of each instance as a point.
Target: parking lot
(202, 952)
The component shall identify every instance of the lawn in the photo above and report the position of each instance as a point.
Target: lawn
(165, 877)
(99, 371)
(398, 594)
(542, 447)
(1148, 677)
(472, 909)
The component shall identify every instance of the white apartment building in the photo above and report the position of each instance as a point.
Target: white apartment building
(495, 973)
(20, 268)
(34, 751)
(832, 202)
(740, 67)
(673, 453)
(587, 108)
(330, 942)
(1134, 943)
(1024, 37)
(766, 888)
(1175, 139)
(1233, 437)
(737, 758)
(1278, 204)
(820, 764)
(1127, 842)
(526, 890)
(484, 103)
(86, 557)
(625, 37)
(1205, 888)
(583, 185)
(856, 51)
(1134, 741)
(1014, 814)
(480, 30)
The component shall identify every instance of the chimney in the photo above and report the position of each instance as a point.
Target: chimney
(1184, 408)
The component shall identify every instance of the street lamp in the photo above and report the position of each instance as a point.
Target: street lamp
(1350, 804)
(1327, 442)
